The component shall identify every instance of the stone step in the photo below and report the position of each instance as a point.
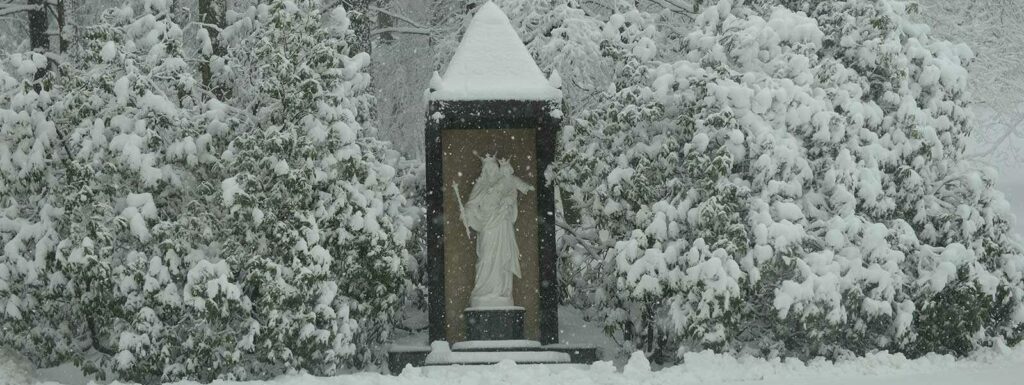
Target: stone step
(489, 352)
(493, 357)
(496, 345)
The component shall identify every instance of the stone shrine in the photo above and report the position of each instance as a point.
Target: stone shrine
(491, 132)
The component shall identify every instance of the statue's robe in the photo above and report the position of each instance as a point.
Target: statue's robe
(492, 211)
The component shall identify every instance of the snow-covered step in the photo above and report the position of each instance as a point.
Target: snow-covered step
(483, 352)
(496, 345)
(442, 354)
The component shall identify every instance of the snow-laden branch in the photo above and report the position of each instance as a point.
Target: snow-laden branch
(214, 27)
(407, 30)
(1010, 129)
(685, 5)
(565, 226)
(674, 6)
(9, 9)
(399, 17)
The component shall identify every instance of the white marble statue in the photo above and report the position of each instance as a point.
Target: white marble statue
(491, 212)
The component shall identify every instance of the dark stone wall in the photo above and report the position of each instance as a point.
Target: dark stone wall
(505, 117)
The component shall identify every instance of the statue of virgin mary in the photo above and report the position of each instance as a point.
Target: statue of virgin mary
(491, 212)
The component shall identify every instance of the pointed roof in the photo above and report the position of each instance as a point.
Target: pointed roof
(492, 63)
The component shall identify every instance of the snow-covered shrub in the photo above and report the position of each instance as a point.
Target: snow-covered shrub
(139, 247)
(316, 225)
(32, 320)
(612, 139)
(155, 232)
(796, 187)
(938, 218)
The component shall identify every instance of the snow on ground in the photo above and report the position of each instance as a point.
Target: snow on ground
(996, 366)
(990, 367)
(13, 369)
(1011, 183)
(574, 329)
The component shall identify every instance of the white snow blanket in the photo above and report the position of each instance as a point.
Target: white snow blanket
(989, 367)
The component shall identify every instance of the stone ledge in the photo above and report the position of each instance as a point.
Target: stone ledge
(400, 356)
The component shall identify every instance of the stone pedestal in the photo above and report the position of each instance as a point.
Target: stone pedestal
(494, 323)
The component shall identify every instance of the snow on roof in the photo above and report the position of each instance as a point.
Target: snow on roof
(492, 63)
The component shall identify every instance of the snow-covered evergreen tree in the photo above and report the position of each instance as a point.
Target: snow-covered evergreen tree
(604, 208)
(317, 226)
(141, 261)
(809, 197)
(940, 267)
(170, 235)
(32, 319)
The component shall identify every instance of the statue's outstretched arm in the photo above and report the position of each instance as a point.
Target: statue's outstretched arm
(521, 185)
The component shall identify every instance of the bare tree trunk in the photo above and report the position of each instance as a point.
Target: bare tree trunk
(362, 24)
(62, 43)
(38, 23)
(213, 16)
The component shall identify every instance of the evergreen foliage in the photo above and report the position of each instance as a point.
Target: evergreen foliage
(32, 318)
(315, 217)
(809, 194)
(170, 235)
